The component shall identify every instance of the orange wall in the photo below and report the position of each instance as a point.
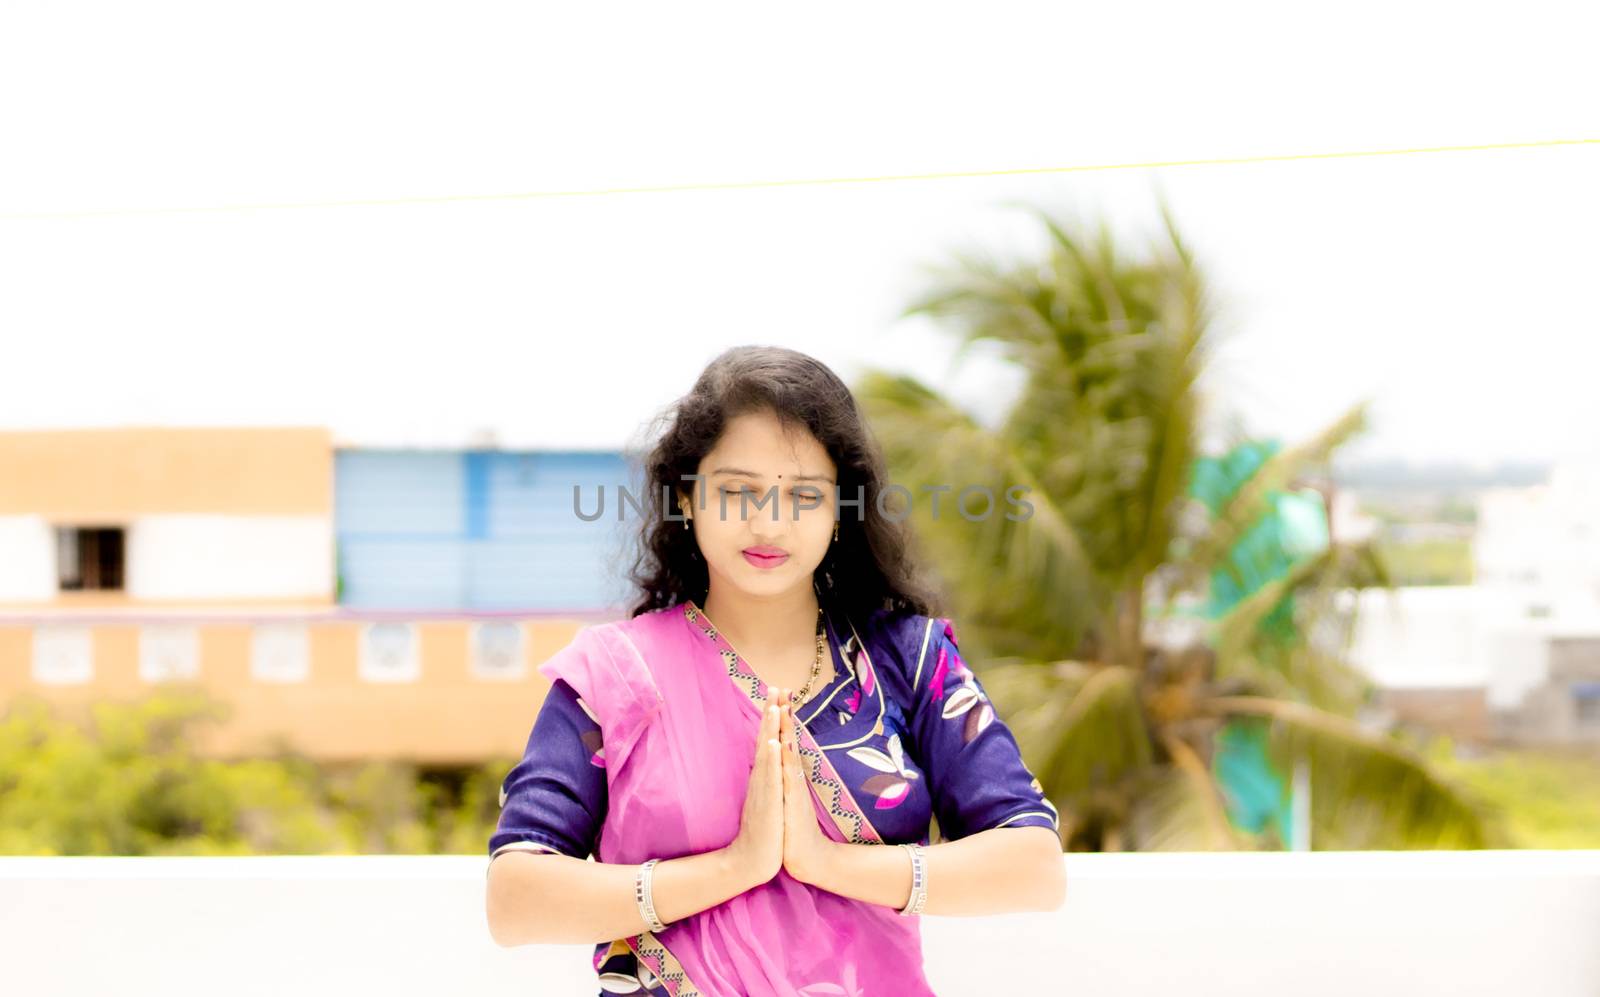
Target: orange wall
(114, 474)
(447, 716)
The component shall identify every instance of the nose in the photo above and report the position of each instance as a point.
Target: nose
(768, 526)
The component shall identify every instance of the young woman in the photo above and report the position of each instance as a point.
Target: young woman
(755, 755)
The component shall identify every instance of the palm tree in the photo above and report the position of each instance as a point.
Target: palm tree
(1062, 604)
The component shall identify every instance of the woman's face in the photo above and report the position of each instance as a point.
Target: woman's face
(792, 478)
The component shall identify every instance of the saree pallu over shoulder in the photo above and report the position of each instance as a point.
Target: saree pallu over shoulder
(603, 668)
(679, 725)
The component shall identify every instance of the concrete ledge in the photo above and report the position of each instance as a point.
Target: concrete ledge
(1173, 924)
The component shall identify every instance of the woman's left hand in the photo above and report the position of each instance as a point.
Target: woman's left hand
(805, 846)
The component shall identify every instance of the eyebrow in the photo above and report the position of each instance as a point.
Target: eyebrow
(752, 474)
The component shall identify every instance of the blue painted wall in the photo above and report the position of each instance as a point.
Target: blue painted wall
(478, 529)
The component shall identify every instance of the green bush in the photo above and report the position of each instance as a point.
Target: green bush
(129, 782)
(1550, 796)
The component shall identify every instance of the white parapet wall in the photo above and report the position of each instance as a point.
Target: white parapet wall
(1316, 924)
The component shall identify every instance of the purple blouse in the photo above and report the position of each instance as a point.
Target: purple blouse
(938, 751)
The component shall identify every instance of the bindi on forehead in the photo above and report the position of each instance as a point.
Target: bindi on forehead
(746, 472)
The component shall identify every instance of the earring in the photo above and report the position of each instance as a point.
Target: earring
(684, 508)
(835, 532)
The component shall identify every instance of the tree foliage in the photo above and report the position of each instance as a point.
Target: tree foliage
(1104, 433)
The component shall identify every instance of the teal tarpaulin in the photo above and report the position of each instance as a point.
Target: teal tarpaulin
(1257, 795)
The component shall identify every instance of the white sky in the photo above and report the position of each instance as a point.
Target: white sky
(1456, 290)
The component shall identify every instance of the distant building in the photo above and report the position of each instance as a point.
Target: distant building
(354, 603)
(1514, 657)
(1482, 664)
(1543, 541)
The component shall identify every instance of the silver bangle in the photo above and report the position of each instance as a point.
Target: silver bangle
(641, 894)
(919, 881)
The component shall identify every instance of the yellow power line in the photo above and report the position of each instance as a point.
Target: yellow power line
(802, 182)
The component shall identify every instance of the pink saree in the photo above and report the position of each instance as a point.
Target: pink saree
(679, 714)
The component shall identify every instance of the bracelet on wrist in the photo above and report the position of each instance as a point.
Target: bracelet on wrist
(919, 881)
(642, 882)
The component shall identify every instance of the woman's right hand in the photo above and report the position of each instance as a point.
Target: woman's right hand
(758, 850)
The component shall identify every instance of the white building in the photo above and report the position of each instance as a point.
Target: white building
(1515, 656)
(1543, 541)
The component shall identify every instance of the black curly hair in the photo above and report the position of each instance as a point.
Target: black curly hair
(873, 567)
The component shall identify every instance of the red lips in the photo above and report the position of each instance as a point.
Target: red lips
(765, 555)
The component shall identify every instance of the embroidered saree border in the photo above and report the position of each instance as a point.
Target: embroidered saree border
(648, 949)
(846, 813)
(741, 673)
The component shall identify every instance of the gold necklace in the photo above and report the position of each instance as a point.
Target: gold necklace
(816, 665)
